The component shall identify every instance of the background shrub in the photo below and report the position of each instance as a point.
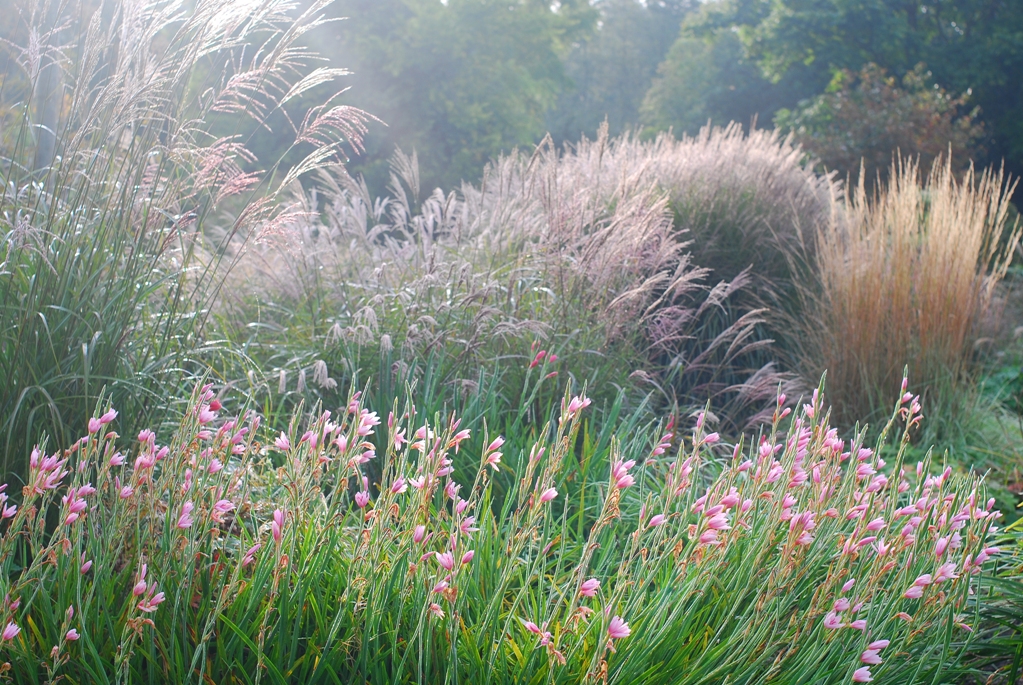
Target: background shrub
(867, 118)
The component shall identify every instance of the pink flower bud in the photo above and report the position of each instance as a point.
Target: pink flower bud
(548, 495)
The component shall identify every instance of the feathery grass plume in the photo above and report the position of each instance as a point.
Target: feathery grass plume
(580, 248)
(112, 184)
(904, 277)
(802, 559)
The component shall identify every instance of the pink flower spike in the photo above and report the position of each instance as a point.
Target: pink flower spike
(71, 635)
(862, 675)
(548, 495)
(618, 628)
(589, 587)
(10, 631)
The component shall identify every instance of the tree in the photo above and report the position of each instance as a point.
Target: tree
(459, 82)
(870, 116)
(966, 44)
(611, 68)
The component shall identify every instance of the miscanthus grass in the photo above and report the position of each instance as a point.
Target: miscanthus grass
(211, 555)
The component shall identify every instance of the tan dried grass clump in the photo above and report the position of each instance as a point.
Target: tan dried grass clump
(906, 276)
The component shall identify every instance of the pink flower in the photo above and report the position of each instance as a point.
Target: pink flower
(832, 622)
(870, 657)
(10, 631)
(841, 604)
(531, 627)
(914, 592)
(436, 610)
(548, 494)
(250, 554)
(923, 580)
(496, 444)
(589, 587)
(878, 645)
(709, 537)
(140, 582)
(656, 520)
(399, 486)
(361, 498)
(418, 534)
(718, 522)
(946, 572)
(618, 628)
(858, 624)
(85, 567)
(185, 520)
(467, 557)
(149, 604)
(109, 416)
(221, 509)
(71, 635)
(876, 525)
(493, 459)
(848, 585)
(445, 560)
(862, 675)
(277, 525)
(94, 425)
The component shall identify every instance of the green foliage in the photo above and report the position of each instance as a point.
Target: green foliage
(868, 118)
